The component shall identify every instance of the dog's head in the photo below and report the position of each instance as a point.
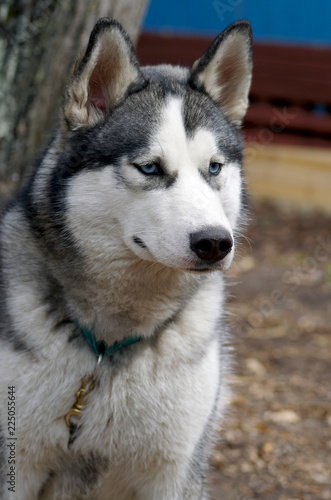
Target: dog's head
(154, 153)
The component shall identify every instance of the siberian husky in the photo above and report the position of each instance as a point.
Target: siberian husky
(114, 354)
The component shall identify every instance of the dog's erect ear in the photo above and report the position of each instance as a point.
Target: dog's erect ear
(101, 76)
(225, 70)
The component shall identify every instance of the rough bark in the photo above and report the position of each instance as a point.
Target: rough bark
(39, 40)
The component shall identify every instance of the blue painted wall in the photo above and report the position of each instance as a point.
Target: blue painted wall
(305, 22)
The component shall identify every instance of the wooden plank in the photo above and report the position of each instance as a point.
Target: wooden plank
(300, 176)
(288, 118)
(289, 89)
(319, 56)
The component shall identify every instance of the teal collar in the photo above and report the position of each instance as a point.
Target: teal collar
(101, 348)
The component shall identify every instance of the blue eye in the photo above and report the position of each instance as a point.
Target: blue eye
(215, 168)
(150, 169)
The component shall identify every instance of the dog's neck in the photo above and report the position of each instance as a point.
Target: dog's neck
(136, 301)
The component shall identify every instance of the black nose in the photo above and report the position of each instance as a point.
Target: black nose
(212, 244)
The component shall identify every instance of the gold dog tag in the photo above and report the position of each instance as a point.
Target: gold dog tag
(77, 408)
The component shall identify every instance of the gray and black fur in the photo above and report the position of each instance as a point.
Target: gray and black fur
(124, 229)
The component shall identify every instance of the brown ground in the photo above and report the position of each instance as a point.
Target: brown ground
(276, 442)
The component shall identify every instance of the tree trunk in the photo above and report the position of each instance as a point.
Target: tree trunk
(39, 40)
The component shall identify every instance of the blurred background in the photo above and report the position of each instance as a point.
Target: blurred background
(276, 440)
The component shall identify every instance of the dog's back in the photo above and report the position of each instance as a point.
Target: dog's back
(111, 281)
